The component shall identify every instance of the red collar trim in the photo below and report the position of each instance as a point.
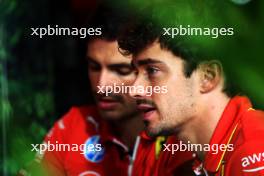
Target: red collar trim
(104, 129)
(145, 136)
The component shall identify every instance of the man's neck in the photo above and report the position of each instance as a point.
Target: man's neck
(201, 128)
(128, 129)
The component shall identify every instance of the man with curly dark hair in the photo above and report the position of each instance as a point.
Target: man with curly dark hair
(199, 106)
(109, 131)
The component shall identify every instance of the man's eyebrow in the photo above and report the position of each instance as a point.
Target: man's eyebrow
(145, 61)
(90, 60)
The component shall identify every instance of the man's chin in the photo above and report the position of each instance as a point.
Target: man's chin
(110, 115)
(154, 132)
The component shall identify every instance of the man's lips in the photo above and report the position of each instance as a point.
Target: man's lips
(147, 110)
(107, 103)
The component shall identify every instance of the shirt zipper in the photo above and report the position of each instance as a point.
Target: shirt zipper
(131, 163)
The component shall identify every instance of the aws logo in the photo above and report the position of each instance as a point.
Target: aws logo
(251, 160)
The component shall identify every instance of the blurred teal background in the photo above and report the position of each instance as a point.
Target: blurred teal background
(41, 79)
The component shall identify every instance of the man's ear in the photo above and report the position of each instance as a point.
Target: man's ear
(210, 75)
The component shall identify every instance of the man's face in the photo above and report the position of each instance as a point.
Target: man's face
(107, 67)
(164, 113)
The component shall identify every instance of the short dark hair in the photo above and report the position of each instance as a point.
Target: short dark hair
(137, 36)
(111, 20)
(146, 29)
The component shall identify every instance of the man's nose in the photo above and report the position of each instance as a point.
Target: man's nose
(137, 91)
(106, 81)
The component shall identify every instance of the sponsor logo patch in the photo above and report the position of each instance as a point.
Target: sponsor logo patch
(94, 156)
(253, 163)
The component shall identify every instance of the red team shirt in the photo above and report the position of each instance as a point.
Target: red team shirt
(84, 126)
(242, 127)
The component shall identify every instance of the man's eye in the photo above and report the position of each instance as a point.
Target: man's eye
(151, 70)
(124, 71)
(94, 67)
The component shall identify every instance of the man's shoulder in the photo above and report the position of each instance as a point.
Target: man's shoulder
(76, 119)
(252, 125)
(248, 154)
(250, 134)
(80, 114)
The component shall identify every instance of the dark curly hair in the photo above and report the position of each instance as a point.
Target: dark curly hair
(147, 28)
(141, 33)
(111, 20)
